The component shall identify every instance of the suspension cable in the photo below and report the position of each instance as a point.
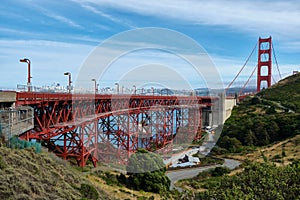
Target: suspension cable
(241, 69)
(248, 80)
(265, 57)
(276, 61)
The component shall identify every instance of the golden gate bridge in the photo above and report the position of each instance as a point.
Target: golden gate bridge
(262, 65)
(108, 127)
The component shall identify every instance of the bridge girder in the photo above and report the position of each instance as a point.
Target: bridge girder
(105, 127)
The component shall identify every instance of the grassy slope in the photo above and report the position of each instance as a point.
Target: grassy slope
(120, 192)
(273, 153)
(286, 91)
(272, 115)
(27, 175)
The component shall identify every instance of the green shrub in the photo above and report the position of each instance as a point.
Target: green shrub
(258, 181)
(111, 179)
(88, 191)
(220, 171)
(16, 143)
(150, 172)
(276, 157)
(208, 160)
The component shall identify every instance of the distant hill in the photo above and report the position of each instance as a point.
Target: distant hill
(269, 116)
(286, 91)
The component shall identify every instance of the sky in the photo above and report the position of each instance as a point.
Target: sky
(60, 36)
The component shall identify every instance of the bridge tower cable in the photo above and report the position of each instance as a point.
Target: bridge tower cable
(266, 58)
(266, 53)
(251, 75)
(276, 62)
(241, 68)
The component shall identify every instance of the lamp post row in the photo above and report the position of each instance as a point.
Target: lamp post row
(26, 60)
(70, 81)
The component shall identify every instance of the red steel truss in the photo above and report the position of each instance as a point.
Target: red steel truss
(112, 127)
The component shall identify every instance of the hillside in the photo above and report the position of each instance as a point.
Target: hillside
(25, 174)
(257, 181)
(286, 91)
(271, 115)
(281, 153)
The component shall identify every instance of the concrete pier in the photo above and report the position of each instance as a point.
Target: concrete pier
(14, 120)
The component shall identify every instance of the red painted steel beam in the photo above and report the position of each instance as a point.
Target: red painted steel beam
(57, 116)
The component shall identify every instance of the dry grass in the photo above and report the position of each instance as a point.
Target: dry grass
(31, 175)
(118, 192)
(27, 175)
(281, 153)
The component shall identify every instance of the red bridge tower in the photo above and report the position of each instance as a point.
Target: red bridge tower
(264, 61)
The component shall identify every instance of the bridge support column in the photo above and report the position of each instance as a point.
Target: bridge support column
(264, 61)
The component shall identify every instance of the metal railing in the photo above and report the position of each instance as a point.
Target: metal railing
(15, 121)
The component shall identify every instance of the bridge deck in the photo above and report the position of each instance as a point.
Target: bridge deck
(34, 97)
(78, 125)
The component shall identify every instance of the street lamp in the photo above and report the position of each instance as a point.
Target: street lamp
(70, 81)
(96, 88)
(26, 60)
(122, 89)
(134, 91)
(117, 85)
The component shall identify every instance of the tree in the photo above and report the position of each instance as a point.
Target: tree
(258, 181)
(146, 172)
(249, 138)
(271, 110)
(232, 144)
(255, 100)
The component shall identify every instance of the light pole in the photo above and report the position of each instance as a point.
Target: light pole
(70, 81)
(95, 85)
(122, 89)
(26, 60)
(152, 90)
(142, 91)
(117, 87)
(134, 89)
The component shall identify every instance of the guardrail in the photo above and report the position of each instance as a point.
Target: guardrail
(15, 121)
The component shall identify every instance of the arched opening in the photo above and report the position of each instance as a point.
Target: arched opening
(264, 70)
(263, 85)
(265, 46)
(264, 57)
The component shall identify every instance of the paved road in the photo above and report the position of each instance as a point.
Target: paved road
(177, 175)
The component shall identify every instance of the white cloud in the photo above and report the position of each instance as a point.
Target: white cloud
(94, 10)
(292, 46)
(51, 59)
(279, 18)
(56, 16)
(63, 20)
(105, 15)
